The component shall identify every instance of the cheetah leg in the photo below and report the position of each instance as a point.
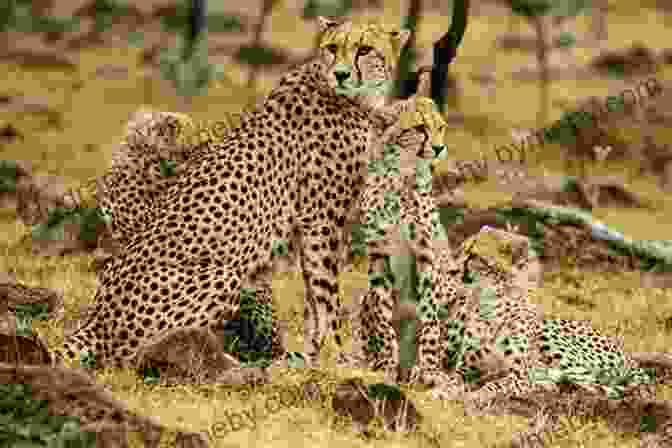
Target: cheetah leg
(210, 306)
(319, 249)
(89, 337)
(264, 296)
(449, 387)
(515, 384)
(500, 383)
(377, 338)
(381, 347)
(429, 351)
(78, 343)
(427, 369)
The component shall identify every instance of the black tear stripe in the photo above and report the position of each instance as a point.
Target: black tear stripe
(358, 70)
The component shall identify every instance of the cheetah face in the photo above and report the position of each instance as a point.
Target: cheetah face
(418, 134)
(495, 256)
(162, 133)
(422, 129)
(360, 60)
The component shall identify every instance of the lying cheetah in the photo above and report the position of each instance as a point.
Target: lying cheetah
(490, 333)
(297, 162)
(494, 333)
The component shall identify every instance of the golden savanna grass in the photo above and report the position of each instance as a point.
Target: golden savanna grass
(93, 117)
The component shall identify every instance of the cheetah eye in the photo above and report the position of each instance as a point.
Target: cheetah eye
(332, 48)
(364, 50)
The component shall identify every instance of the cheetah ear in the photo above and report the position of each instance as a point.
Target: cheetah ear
(424, 82)
(325, 23)
(401, 36)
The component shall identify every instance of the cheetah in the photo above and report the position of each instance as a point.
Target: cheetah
(398, 198)
(418, 129)
(149, 158)
(467, 341)
(492, 333)
(297, 161)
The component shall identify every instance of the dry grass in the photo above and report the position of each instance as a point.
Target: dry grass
(93, 117)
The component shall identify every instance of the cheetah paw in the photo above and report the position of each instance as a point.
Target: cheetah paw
(448, 393)
(349, 360)
(433, 379)
(419, 375)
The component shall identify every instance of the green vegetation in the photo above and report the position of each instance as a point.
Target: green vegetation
(25, 422)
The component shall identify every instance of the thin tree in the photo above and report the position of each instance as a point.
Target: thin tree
(534, 12)
(195, 31)
(196, 27)
(266, 9)
(599, 20)
(444, 52)
(406, 81)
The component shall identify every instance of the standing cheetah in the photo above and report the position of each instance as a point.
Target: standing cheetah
(298, 161)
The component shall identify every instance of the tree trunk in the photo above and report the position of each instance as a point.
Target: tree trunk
(195, 26)
(409, 52)
(266, 9)
(599, 20)
(542, 61)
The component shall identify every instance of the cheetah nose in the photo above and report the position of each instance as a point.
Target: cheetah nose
(341, 76)
(437, 149)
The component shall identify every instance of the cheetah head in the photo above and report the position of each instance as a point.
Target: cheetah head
(155, 132)
(416, 138)
(499, 258)
(360, 59)
(421, 129)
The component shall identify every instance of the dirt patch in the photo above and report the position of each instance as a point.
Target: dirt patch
(196, 356)
(638, 414)
(362, 403)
